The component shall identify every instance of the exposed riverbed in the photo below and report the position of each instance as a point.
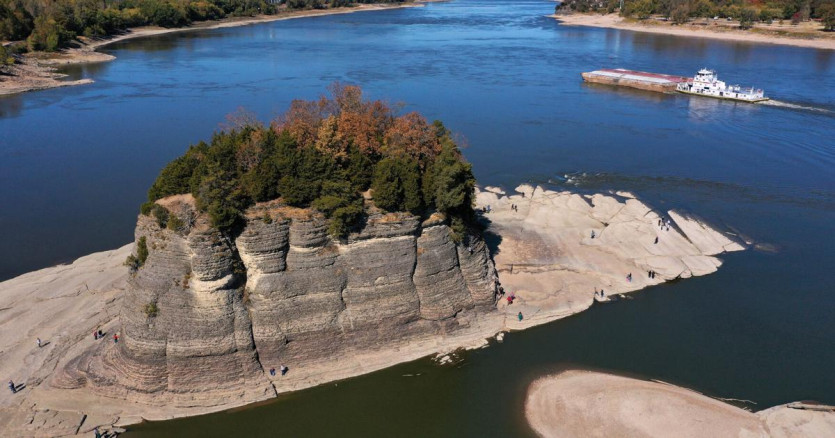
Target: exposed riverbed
(75, 162)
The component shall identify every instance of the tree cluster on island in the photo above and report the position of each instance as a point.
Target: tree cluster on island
(49, 25)
(324, 154)
(745, 11)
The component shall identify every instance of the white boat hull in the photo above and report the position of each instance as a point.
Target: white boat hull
(726, 97)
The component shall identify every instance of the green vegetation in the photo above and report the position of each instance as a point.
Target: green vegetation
(135, 262)
(51, 24)
(151, 309)
(142, 250)
(174, 223)
(6, 57)
(746, 11)
(827, 14)
(324, 154)
(160, 213)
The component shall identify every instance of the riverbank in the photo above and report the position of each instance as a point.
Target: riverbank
(38, 71)
(802, 35)
(544, 254)
(586, 403)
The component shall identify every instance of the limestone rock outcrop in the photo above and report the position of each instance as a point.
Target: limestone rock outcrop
(207, 312)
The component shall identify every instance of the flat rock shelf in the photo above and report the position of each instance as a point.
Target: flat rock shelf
(310, 302)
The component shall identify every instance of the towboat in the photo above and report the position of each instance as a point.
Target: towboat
(706, 83)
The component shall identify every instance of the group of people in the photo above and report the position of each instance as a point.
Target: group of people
(601, 294)
(664, 224)
(12, 386)
(510, 298)
(651, 274)
(97, 334)
(486, 209)
(514, 207)
(283, 369)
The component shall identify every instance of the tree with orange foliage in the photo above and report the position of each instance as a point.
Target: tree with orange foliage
(324, 154)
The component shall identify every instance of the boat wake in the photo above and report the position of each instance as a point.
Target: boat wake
(794, 106)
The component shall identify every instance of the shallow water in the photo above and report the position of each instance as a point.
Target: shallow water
(75, 164)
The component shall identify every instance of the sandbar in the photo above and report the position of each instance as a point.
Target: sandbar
(578, 403)
(803, 35)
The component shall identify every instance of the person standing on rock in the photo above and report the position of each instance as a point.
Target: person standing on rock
(12, 387)
(115, 338)
(95, 335)
(656, 240)
(39, 342)
(520, 316)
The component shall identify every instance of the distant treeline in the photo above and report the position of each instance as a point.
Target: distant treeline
(324, 154)
(51, 24)
(746, 11)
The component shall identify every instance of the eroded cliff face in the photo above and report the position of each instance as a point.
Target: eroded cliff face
(208, 313)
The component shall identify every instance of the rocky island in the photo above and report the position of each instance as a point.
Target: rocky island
(341, 239)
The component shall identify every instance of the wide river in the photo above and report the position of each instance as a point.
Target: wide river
(75, 164)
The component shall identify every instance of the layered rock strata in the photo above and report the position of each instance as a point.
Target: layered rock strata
(208, 313)
(227, 308)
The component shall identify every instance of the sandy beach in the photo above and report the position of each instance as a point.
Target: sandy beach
(803, 35)
(546, 259)
(37, 71)
(592, 404)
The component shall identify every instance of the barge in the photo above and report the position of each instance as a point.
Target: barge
(635, 79)
(705, 83)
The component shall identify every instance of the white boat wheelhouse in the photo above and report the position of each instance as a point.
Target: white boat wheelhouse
(706, 83)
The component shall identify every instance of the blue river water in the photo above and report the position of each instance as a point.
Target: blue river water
(76, 162)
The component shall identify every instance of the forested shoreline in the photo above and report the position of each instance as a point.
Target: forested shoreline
(745, 11)
(49, 25)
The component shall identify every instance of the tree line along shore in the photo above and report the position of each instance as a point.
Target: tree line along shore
(41, 25)
(22, 69)
(745, 13)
